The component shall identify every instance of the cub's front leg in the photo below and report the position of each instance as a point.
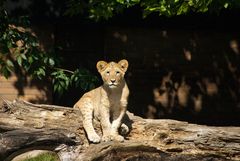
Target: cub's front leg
(105, 123)
(87, 114)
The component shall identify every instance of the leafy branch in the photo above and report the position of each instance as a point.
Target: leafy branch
(20, 50)
(106, 9)
(63, 79)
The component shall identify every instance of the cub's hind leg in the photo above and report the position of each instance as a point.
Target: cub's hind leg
(116, 124)
(87, 114)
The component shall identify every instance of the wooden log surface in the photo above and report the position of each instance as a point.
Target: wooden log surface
(25, 126)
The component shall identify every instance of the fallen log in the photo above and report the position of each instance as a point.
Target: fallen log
(25, 126)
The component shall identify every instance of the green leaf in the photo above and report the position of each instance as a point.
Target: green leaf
(163, 8)
(5, 36)
(183, 9)
(120, 1)
(51, 62)
(10, 63)
(30, 59)
(19, 60)
(55, 87)
(226, 5)
(76, 78)
(9, 44)
(24, 56)
(72, 77)
(42, 72)
(190, 2)
(62, 83)
(60, 90)
(67, 83)
(45, 60)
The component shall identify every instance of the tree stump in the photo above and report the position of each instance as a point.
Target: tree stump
(25, 126)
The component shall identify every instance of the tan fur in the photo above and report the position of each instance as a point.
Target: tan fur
(108, 103)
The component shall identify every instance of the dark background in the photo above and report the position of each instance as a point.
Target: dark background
(155, 47)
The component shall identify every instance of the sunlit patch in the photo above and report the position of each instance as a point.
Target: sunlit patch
(234, 46)
(211, 87)
(197, 100)
(187, 54)
(20, 43)
(161, 98)
(183, 93)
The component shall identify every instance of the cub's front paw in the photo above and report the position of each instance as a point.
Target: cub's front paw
(118, 138)
(94, 138)
(106, 138)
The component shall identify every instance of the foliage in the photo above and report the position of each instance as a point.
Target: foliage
(105, 9)
(20, 51)
(98, 9)
(63, 79)
(44, 157)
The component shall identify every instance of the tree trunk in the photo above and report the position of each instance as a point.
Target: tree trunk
(25, 126)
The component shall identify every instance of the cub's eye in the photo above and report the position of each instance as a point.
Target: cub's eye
(108, 72)
(117, 72)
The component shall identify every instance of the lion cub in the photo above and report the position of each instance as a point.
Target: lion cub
(108, 103)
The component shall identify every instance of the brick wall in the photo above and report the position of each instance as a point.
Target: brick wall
(25, 89)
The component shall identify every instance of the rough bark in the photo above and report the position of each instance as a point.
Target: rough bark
(25, 126)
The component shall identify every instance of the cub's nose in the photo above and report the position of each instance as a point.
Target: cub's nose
(113, 80)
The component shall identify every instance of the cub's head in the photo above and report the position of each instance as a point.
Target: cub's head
(112, 73)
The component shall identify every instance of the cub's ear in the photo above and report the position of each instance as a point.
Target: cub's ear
(101, 65)
(123, 64)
